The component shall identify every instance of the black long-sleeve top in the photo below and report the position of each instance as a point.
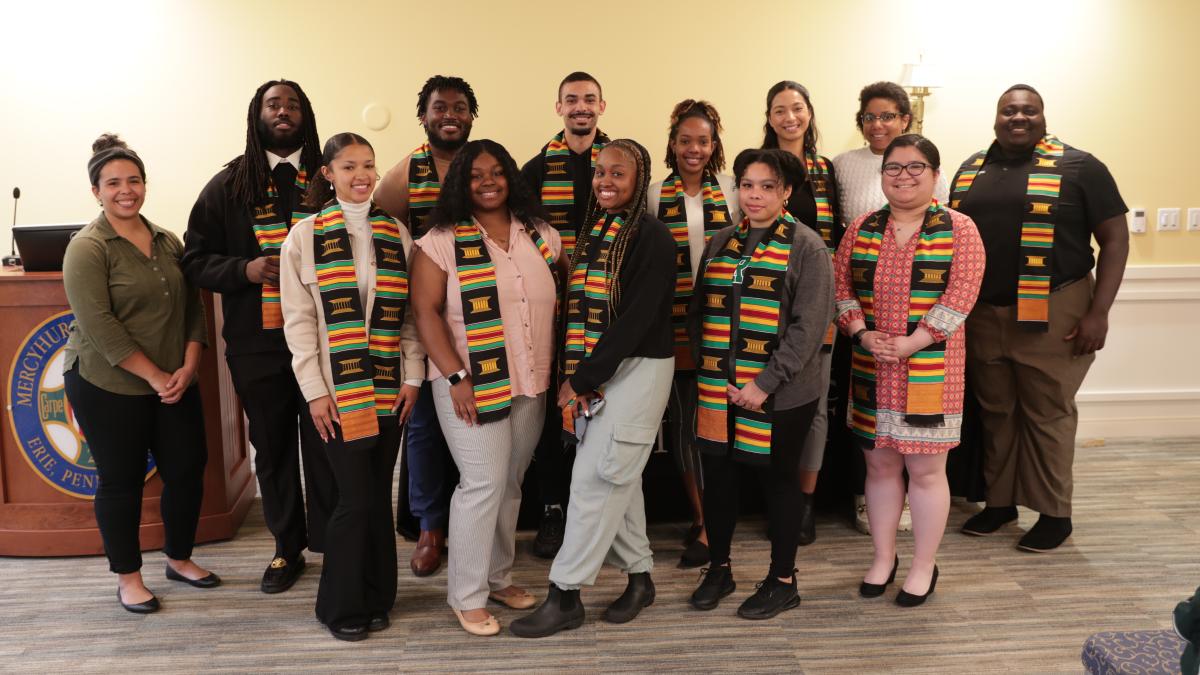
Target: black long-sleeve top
(641, 324)
(218, 244)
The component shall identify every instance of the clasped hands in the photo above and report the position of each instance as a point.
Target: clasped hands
(890, 348)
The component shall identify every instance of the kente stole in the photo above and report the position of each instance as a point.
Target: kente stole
(930, 275)
(365, 363)
(818, 173)
(423, 189)
(482, 319)
(270, 230)
(558, 186)
(761, 276)
(672, 211)
(588, 290)
(1037, 228)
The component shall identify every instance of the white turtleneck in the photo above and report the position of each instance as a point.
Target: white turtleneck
(358, 226)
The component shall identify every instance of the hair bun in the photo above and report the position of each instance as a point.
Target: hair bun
(106, 141)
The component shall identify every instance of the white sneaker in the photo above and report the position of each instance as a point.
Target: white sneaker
(905, 519)
(860, 514)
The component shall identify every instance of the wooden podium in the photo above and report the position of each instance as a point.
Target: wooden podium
(45, 472)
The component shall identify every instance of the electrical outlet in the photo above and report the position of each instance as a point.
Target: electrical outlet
(1168, 220)
(1193, 220)
(1137, 220)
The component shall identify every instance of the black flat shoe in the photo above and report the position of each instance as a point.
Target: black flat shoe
(638, 595)
(561, 610)
(1047, 534)
(281, 574)
(378, 623)
(210, 581)
(906, 599)
(351, 633)
(772, 597)
(148, 607)
(868, 590)
(990, 519)
(695, 555)
(718, 583)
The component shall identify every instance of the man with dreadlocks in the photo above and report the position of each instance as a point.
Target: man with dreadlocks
(562, 171)
(620, 351)
(233, 238)
(446, 108)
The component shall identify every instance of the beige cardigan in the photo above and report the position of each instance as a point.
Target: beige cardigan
(304, 322)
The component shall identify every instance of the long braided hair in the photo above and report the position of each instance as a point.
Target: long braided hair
(634, 211)
(250, 173)
(703, 110)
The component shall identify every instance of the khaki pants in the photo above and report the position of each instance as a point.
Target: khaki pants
(1026, 384)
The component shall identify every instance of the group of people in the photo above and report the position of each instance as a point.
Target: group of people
(473, 317)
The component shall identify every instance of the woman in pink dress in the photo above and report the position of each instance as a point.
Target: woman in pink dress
(906, 278)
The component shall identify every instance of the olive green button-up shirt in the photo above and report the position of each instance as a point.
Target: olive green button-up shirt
(125, 302)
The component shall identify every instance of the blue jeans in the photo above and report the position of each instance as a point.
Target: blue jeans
(430, 467)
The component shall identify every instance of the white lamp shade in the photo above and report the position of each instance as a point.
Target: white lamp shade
(921, 75)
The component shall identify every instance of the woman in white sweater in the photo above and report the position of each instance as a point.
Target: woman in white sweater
(344, 291)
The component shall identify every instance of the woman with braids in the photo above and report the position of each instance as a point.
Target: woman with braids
(792, 126)
(485, 282)
(694, 201)
(907, 275)
(616, 366)
(757, 321)
(344, 277)
(130, 373)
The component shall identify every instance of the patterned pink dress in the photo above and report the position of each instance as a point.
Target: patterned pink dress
(893, 278)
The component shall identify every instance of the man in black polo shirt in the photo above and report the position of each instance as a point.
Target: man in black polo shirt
(232, 247)
(561, 173)
(1040, 317)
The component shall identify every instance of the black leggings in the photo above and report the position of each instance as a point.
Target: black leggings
(120, 429)
(780, 480)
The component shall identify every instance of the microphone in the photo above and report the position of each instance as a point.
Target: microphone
(12, 259)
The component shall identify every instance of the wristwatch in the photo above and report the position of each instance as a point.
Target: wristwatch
(455, 378)
(857, 337)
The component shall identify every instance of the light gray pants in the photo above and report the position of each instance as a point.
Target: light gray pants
(606, 518)
(492, 459)
(813, 454)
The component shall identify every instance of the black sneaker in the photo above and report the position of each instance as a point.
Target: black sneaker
(550, 533)
(281, 574)
(1047, 534)
(717, 583)
(772, 597)
(990, 519)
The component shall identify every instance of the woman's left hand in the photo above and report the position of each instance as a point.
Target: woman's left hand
(906, 346)
(178, 383)
(565, 393)
(405, 402)
(750, 396)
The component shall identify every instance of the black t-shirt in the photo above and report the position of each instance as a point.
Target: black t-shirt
(579, 168)
(803, 205)
(997, 202)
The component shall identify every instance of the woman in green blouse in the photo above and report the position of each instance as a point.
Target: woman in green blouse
(130, 377)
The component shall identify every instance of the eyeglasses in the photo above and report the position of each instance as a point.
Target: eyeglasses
(914, 169)
(886, 117)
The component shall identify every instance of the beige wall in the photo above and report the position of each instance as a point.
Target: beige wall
(174, 78)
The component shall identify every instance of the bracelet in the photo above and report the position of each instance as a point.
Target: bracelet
(857, 337)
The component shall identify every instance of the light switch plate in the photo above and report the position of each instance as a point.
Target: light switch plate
(1168, 220)
(1193, 220)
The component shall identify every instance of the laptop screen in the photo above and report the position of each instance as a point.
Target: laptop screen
(42, 247)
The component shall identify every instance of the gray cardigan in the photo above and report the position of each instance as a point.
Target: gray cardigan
(793, 373)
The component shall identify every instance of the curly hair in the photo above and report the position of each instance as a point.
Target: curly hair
(689, 108)
(770, 138)
(446, 83)
(454, 203)
(886, 90)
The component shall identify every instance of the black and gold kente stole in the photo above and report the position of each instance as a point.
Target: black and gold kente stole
(365, 362)
(761, 276)
(1037, 227)
(818, 173)
(558, 187)
(270, 230)
(483, 321)
(930, 275)
(672, 211)
(423, 189)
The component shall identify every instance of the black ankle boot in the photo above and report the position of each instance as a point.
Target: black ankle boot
(772, 597)
(561, 610)
(638, 595)
(990, 519)
(808, 525)
(1047, 534)
(718, 583)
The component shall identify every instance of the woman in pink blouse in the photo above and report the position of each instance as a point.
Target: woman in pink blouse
(906, 278)
(485, 287)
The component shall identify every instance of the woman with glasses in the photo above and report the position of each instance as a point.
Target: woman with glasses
(883, 114)
(906, 277)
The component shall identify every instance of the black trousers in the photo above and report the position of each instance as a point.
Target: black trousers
(781, 484)
(553, 460)
(358, 575)
(120, 429)
(283, 434)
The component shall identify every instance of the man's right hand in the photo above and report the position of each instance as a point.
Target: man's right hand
(263, 270)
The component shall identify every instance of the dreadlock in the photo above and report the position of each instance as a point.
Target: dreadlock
(446, 83)
(704, 110)
(250, 173)
(634, 210)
